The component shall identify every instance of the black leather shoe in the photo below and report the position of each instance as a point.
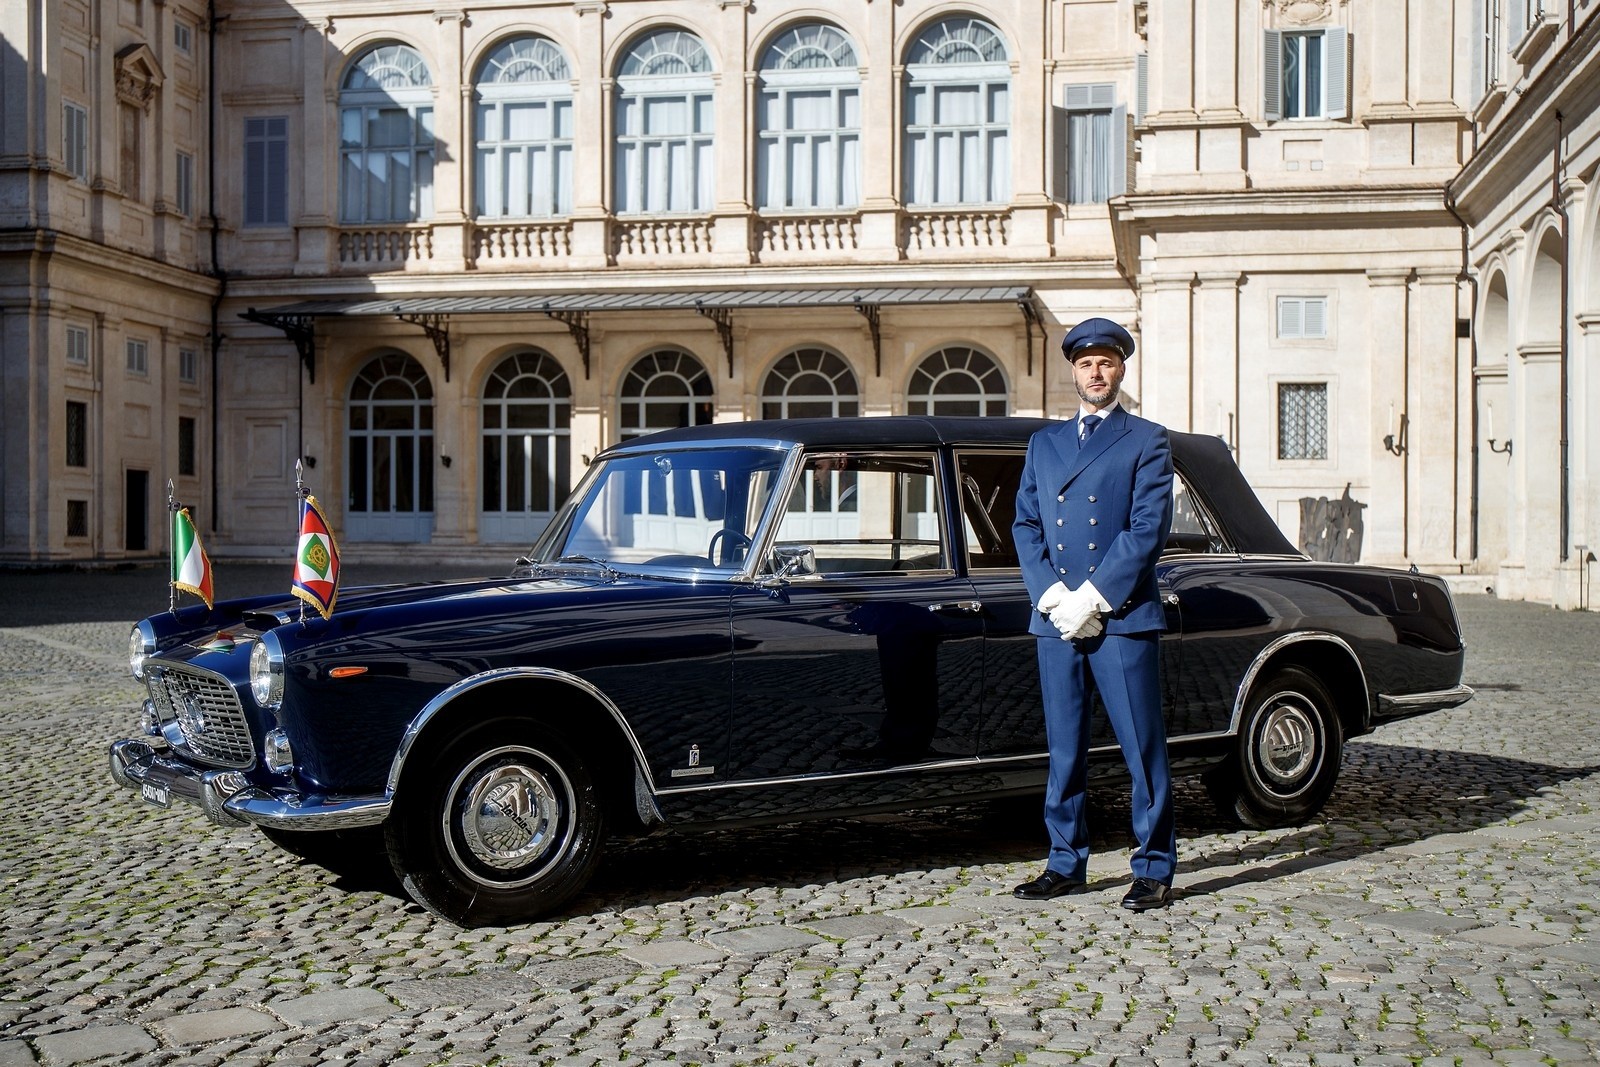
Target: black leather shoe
(1145, 894)
(1047, 885)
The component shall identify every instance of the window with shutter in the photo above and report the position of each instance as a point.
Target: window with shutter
(266, 171)
(1302, 318)
(1305, 74)
(1097, 143)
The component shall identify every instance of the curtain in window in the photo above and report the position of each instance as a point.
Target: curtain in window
(386, 137)
(665, 123)
(1303, 420)
(957, 135)
(809, 123)
(524, 131)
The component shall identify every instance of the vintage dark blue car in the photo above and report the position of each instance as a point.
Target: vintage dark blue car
(755, 622)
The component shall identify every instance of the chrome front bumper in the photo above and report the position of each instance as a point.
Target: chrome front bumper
(228, 798)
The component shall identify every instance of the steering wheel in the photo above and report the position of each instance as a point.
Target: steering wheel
(737, 543)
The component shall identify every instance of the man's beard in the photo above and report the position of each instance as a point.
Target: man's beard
(1111, 394)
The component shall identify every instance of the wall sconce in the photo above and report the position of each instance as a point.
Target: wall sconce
(311, 462)
(1488, 425)
(1396, 443)
(445, 460)
(1504, 449)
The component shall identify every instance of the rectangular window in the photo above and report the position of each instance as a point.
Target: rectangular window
(77, 518)
(1303, 420)
(1305, 74)
(185, 184)
(182, 36)
(188, 366)
(187, 464)
(138, 357)
(1302, 318)
(266, 171)
(75, 140)
(1097, 146)
(78, 346)
(77, 433)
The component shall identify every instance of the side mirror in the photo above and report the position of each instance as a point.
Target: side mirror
(791, 561)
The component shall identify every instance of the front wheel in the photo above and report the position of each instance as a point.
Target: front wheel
(503, 825)
(1287, 753)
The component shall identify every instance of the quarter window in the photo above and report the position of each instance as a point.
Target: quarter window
(1097, 144)
(958, 115)
(386, 137)
(524, 131)
(75, 140)
(1303, 420)
(808, 152)
(957, 381)
(1302, 318)
(1306, 73)
(810, 383)
(665, 390)
(527, 444)
(266, 171)
(665, 122)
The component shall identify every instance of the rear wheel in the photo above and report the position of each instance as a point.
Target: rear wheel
(1287, 754)
(503, 825)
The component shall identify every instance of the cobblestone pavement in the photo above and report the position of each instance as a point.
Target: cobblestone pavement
(1441, 911)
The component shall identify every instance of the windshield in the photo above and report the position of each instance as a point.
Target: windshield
(689, 508)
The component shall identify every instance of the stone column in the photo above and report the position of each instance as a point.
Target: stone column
(1031, 206)
(730, 241)
(591, 163)
(881, 103)
(1215, 406)
(1386, 520)
(316, 248)
(452, 146)
(1166, 350)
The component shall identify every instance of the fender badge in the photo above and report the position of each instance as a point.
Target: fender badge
(694, 770)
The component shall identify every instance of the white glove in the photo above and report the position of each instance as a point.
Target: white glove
(1051, 598)
(1093, 626)
(1074, 610)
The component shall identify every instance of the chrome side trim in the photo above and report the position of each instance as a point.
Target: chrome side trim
(1272, 649)
(1430, 701)
(501, 674)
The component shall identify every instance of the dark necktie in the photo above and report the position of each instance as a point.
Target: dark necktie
(1086, 430)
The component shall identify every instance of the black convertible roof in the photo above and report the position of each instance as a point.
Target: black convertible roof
(1207, 464)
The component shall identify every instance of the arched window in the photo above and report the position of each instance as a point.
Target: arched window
(527, 446)
(810, 383)
(524, 130)
(958, 115)
(664, 126)
(390, 449)
(957, 381)
(665, 390)
(386, 137)
(808, 150)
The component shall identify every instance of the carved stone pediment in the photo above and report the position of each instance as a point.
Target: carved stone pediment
(1303, 12)
(138, 75)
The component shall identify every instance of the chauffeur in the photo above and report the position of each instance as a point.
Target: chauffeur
(1093, 512)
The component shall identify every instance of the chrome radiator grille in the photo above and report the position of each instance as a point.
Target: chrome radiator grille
(208, 712)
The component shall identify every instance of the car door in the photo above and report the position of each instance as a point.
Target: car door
(869, 655)
(1013, 710)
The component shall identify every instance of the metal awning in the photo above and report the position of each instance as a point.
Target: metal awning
(431, 313)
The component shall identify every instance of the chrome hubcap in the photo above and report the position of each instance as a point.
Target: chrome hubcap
(1286, 746)
(510, 814)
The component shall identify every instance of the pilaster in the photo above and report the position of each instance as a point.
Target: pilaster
(1387, 520)
(1167, 348)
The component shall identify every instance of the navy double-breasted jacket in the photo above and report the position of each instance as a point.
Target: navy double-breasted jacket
(1098, 513)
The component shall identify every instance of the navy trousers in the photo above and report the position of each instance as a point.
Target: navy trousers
(1127, 671)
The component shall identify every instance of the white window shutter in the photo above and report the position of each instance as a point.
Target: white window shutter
(1141, 87)
(1078, 97)
(1272, 74)
(1289, 320)
(1119, 150)
(1336, 72)
(1316, 317)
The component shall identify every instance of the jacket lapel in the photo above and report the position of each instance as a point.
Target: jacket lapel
(1114, 428)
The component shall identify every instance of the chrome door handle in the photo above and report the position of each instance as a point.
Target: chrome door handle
(1171, 600)
(957, 607)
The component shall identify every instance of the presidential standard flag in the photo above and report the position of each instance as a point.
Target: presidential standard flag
(316, 559)
(191, 570)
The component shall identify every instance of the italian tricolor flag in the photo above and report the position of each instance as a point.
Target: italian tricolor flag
(191, 570)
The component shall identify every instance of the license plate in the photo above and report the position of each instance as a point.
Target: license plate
(155, 793)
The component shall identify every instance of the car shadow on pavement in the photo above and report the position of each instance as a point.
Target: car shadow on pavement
(1387, 796)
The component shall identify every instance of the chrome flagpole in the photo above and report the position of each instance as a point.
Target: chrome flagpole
(300, 493)
(172, 548)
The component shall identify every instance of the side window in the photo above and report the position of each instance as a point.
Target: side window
(1193, 529)
(865, 514)
(988, 488)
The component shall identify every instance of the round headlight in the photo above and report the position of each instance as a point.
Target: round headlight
(266, 672)
(141, 643)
